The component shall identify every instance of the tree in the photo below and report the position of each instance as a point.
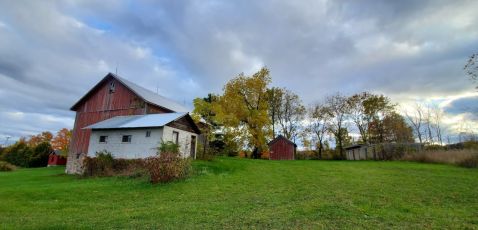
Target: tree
(40, 154)
(338, 109)
(62, 141)
(416, 118)
(376, 108)
(317, 119)
(290, 114)
(203, 110)
(35, 140)
(472, 68)
(345, 138)
(274, 96)
(437, 114)
(396, 129)
(472, 71)
(243, 109)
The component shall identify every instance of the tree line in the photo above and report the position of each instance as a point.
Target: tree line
(248, 114)
(34, 150)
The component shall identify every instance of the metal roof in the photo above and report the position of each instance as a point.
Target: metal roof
(151, 97)
(355, 146)
(137, 121)
(145, 94)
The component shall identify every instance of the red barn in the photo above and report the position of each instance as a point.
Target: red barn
(55, 159)
(113, 96)
(282, 148)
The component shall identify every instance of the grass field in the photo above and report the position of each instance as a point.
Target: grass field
(243, 193)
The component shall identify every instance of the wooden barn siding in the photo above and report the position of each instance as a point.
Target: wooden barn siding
(182, 124)
(100, 106)
(281, 148)
(152, 109)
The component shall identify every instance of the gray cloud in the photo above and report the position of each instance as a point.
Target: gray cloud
(53, 52)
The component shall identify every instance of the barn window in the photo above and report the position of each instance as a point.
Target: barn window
(126, 138)
(175, 137)
(112, 87)
(103, 139)
(148, 133)
(52, 158)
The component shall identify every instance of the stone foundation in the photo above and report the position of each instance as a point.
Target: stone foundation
(74, 165)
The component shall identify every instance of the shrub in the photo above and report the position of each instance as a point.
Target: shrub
(167, 166)
(470, 162)
(5, 166)
(168, 146)
(104, 165)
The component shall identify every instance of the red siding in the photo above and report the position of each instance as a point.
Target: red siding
(281, 149)
(101, 105)
(57, 160)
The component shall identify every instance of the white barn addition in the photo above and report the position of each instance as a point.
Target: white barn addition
(138, 136)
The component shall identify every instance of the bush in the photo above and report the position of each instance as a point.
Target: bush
(5, 166)
(104, 165)
(168, 146)
(470, 162)
(167, 166)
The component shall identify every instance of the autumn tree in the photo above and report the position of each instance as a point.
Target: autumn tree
(338, 109)
(35, 140)
(397, 130)
(62, 141)
(243, 110)
(203, 110)
(274, 97)
(290, 113)
(376, 108)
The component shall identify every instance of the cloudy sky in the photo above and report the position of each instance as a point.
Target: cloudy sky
(53, 52)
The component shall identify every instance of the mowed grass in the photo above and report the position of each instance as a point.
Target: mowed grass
(243, 193)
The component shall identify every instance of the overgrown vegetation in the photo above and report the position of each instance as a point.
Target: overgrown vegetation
(5, 167)
(104, 165)
(464, 158)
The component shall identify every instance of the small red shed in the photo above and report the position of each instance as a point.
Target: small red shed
(281, 148)
(55, 159)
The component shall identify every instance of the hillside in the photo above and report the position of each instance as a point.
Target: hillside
(235, 193)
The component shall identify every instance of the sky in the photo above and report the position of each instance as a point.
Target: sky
(53, 52)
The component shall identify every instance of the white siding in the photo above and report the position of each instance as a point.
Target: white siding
(184, 139)
(140, 146)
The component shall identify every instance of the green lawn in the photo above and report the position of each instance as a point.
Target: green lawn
(244, 193)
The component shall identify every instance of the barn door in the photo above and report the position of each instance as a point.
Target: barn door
(193, 147)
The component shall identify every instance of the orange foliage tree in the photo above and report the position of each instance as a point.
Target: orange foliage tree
(62, 140)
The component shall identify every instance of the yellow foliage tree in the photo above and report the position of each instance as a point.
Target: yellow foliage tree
(243, 110)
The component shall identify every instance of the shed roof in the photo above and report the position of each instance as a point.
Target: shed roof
(137, 121)
(355, 146)
(281, 137)
(144, 94)
(57, 152)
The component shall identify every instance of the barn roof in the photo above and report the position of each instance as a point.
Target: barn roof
(281, 137)
(141, 121)
(145, 94)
